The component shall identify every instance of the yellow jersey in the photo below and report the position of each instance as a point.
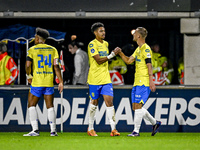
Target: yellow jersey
(98, 74)
(141, 73)
(43, 56)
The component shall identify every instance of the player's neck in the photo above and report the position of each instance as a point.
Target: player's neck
(41, 42)
(140, 43)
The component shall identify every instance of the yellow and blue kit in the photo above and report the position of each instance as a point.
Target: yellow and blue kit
(98, 77)
(141, 90)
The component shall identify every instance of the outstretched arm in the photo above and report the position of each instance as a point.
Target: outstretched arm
(127, 60)
(100, 60)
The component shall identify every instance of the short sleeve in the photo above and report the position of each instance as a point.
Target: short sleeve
(30, 53)
(92, 49)
(56, 56)
(147, 54)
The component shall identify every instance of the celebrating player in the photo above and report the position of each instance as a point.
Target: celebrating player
(99, 78)
(43, 58)
(143, 83)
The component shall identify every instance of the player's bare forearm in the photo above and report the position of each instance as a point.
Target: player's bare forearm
(58, 73)
(151, 83)
(28, 67)
(127, 60)
(150, 70)
(100, 60)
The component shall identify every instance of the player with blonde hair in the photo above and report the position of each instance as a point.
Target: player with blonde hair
(143, 83)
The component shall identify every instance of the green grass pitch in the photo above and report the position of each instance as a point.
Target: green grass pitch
(81, 141)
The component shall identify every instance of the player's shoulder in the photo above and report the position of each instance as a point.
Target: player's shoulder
(147, 48)
(105, 42)
(91, 43)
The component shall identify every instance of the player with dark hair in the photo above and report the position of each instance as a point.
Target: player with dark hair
(99, 78)
(143, 83)
(44, 58)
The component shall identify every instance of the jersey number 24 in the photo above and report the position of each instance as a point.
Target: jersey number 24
(45, 59)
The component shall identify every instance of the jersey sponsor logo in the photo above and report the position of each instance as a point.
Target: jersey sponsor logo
(42, 48)
(91, 45)
(44, 72)
(136, 59)
(148, 55)
(103, 53)
(147, 50)
(92, 50)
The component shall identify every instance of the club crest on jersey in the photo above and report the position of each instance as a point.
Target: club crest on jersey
(91, 45)
(92, 50)
(148, 55)
(147, 50)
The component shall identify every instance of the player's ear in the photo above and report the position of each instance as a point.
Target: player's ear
(95, 32)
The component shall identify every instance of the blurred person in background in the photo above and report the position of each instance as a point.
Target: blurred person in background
(181, 70)
(162, 67)
(81, 63)
(117, 68)
(8, 67)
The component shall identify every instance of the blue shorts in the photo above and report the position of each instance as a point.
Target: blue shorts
(38, 91)
(97, 90)
(140, 94)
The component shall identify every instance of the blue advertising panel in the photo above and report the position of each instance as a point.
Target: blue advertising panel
(177, 109)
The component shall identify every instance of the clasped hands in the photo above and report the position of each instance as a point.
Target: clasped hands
(117, 50)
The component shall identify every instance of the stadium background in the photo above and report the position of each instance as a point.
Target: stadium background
(162, 18)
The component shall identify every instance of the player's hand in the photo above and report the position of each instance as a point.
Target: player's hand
(152, 86)
(60, 87)
(117, 50)
(29, 81)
